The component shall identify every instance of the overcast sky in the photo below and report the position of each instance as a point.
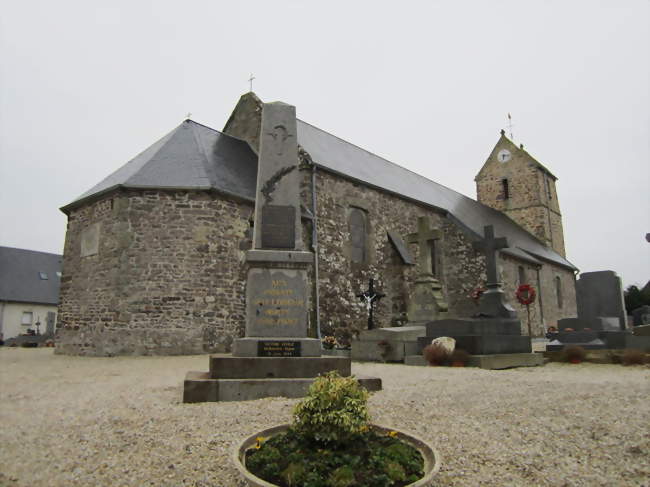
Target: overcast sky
(87, 85)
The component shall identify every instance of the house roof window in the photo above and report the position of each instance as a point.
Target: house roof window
(43, 276)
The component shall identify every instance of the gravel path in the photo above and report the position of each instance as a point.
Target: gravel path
(73, 421)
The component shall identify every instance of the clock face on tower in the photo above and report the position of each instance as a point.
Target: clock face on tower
(504, 155)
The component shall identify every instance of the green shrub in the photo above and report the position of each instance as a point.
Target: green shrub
(575, 353)
(632, 356)
(334, 411)
(436, 354)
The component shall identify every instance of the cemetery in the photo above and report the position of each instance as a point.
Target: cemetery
(374, 405)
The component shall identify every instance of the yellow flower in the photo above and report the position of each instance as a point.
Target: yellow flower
(392, 434)
(364, 429)
(259, 440)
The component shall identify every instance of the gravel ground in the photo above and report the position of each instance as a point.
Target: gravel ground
(73, 421)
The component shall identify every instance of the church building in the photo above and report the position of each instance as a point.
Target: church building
(154, 254)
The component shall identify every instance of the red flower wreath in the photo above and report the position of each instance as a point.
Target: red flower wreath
(526, 294)
(477, 293)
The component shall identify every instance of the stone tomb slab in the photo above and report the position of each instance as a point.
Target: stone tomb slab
(491, 362)
(402, 340)
(485, 344)
(473, 326)
(276, 302)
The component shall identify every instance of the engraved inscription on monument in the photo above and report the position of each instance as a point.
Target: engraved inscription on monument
(278, 227)
(278, 348)
(277, 303)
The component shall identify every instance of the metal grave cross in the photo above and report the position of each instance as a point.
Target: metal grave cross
(423, 237)
(491, 246)
(370, 297)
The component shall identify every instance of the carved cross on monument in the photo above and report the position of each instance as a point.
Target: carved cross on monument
(490, 246)
(370, 297)
(493, 302)
(424, 238)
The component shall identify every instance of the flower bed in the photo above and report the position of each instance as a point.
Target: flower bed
(331, 444)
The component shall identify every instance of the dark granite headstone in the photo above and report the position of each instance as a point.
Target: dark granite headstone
(641, 316)
(601, 294)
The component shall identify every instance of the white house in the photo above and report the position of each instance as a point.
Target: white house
(29, 292)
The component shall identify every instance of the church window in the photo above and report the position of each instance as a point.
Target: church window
(522, 275)
(26, 318)
(358, 235)
(548, 189)
(506, 189)
(558, 291)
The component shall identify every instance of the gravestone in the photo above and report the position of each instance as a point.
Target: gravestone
(641, 316)
(426, 303)
(493, 337)
(601, 322)
(276, 357)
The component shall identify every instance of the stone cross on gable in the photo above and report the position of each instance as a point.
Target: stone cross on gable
(423, 237)
(491, 246)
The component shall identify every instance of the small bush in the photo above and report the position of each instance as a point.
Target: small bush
(632, 356)
(459, 357)
(435, 355)
(575, 354)
(334, 411)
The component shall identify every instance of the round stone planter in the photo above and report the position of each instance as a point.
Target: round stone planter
(429, 454)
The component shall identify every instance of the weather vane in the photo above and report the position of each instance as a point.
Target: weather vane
(510, 126)
(250, 80)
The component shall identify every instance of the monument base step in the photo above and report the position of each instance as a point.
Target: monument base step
(225, 366)
(491, 362)
(199, 387)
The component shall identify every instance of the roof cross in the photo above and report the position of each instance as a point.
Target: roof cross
(250, 80)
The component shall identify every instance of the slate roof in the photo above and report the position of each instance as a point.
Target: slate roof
(20, 279)
(194, 156)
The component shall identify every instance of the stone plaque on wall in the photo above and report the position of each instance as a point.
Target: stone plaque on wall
(278, 348)
(276, 302)
(278, 227)
(90, 240)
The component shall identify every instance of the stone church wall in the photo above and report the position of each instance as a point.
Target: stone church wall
(166, 277)
(544, 312)
(459, 267)
(163, 272)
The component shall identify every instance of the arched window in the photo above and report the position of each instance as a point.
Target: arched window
(558, 291)
(522, 275)
(358, 235)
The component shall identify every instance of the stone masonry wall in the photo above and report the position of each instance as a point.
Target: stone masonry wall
(460, 268)
(532, 200)
(168, 277)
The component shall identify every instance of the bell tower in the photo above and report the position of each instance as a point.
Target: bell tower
(512, 181)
